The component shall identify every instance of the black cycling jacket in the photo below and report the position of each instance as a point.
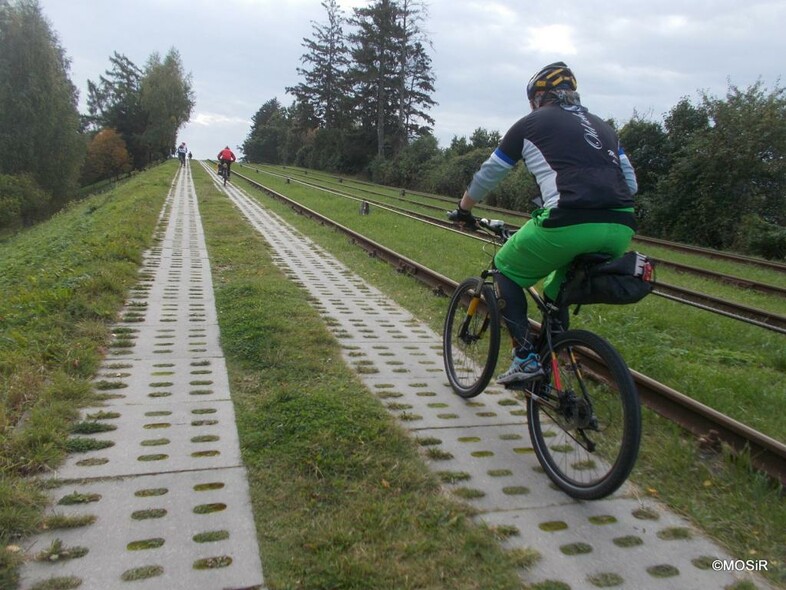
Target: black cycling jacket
(578, 163)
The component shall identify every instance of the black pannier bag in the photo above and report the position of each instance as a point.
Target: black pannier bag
(626, 279)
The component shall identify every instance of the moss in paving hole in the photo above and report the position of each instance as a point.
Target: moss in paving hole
(628, 541)
(209, 508)
(212, 562)
(550, 585)
(58, 583)
(148, 492)
(703, 562)
(602, 519)
(205, 438)
(147, 514)
(553, 525)
(605, 580)
(515, 490)
(154, 442)
(674, 533)
(663, 570)
(576, 548)
(143, 544)
(510, 437)
(646, 514)
(77, 498)
(210, 536)
(205, 487)
(142, 573)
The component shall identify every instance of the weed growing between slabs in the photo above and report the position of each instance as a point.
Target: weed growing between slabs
(740, 509)
(61, 284)
(341, 497)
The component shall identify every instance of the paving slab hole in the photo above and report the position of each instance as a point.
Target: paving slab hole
(144, 544)
(211, 536)
(151, 492)
(58, 583)
(209, 508)
(142, 573)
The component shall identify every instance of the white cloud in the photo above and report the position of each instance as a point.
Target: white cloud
(209, 119)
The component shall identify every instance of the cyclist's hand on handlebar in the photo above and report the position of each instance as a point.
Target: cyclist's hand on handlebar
(463, 216)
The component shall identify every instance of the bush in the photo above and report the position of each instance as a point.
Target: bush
(22, 201)
(760, 238)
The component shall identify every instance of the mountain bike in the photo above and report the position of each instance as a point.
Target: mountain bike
(223, 171)
(584, 415)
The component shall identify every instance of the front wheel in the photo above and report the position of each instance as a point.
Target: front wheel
(470, 338)
(585, 419)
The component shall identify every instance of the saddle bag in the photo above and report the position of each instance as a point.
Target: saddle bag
(624, 280)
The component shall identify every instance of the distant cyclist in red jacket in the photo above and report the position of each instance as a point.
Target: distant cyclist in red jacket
(227, 157)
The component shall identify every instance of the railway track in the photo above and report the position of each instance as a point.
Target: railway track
(766, 453)
(754, 316)
(676, 246)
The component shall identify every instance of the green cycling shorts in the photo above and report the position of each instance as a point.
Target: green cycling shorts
(535, 252)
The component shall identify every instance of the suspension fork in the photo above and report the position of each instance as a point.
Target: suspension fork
(472, 308)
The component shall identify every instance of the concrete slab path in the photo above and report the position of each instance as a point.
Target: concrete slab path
(169, 496)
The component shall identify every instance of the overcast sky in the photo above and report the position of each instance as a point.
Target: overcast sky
(629, 56)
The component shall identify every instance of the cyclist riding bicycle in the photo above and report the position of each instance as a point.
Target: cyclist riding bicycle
(586, 186)
(226, 157)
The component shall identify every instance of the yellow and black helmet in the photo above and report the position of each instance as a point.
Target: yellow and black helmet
(551, 77)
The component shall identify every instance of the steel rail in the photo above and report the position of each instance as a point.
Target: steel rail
(766, 453)
(717, 276)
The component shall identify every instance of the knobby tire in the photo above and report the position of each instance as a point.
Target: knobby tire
(556, 438)
(471, 357)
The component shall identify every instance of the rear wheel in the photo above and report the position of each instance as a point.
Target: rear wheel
(586, 427)
(470, 338)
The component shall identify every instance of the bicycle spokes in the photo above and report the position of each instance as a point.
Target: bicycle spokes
(584, 420)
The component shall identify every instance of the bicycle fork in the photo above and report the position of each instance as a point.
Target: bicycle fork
(472, 309)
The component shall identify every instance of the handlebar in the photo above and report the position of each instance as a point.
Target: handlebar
(495, 227)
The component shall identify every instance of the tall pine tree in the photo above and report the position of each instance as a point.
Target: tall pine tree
(391, 72)
(325, 87)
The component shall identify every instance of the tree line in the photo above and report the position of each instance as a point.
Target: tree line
(47, 148)
(712, 173)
